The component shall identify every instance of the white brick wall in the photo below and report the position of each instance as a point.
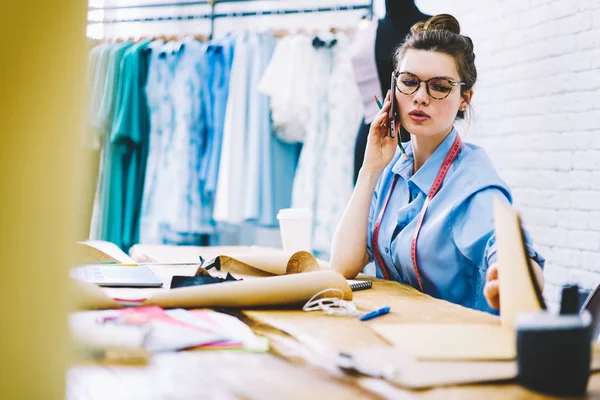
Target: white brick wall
(537, 113)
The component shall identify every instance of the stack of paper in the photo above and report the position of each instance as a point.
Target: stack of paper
(157, 330)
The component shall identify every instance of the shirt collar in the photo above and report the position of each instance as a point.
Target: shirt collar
(425, 176)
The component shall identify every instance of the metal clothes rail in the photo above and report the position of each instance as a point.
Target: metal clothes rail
(213, 14)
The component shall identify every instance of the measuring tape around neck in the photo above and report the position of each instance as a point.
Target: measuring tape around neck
(437, 184)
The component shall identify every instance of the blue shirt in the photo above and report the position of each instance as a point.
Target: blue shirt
(456, 243)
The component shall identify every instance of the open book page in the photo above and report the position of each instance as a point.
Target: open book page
(97, 251)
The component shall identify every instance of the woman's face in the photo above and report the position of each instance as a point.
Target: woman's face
(421, 114)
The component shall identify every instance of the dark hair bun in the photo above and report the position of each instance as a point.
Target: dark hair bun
(440, 22)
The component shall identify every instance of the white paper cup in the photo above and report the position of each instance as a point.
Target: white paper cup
(296, 229)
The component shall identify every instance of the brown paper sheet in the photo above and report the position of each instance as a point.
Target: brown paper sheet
(269, 291)
(279, 263)
(451, 341)
(407, 305)
(518, 293)
(518, 286)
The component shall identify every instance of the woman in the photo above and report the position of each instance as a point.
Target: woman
(453, 256)
(372, 61)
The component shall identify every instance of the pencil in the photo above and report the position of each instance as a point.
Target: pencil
(378, 102)
(399, 142)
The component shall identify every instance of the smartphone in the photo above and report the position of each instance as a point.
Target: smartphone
(392, 114)
(393, 117)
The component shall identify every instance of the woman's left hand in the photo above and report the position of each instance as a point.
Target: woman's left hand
(491, 291)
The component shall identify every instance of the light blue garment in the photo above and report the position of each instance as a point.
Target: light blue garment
(154, 84)
(175, 208)
(112, 88)
(252, 199)
(217, 70)
(271, 162)
(185, 208)
(278, 159)
(456, 243)
(234, 152)
(162, 116)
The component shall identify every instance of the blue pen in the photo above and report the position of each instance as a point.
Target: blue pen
(375, 314)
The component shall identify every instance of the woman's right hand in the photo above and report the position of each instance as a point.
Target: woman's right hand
(380, 146)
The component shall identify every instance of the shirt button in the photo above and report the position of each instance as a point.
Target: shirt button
(387, 250)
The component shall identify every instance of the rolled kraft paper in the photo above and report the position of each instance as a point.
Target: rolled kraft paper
(275, 263)
(237, 268)
(303, 261)
(88, 296)
(270, 291)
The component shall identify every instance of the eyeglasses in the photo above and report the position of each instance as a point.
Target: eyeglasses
(437, 88)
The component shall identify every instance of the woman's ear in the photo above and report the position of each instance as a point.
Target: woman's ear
(467, 97)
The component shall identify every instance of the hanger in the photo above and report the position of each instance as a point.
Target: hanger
(201, 38)
(280, 33)
(348, 31)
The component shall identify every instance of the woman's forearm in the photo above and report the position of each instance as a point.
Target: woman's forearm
(349, 244)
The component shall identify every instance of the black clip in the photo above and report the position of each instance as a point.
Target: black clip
(216, 263)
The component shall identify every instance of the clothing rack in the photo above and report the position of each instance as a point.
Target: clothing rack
(213, 15)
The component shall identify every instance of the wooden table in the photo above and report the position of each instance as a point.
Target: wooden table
(293, 368)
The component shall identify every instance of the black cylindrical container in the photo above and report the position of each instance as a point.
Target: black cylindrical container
(554, 352)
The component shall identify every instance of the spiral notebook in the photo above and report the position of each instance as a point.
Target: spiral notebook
(360, 285)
